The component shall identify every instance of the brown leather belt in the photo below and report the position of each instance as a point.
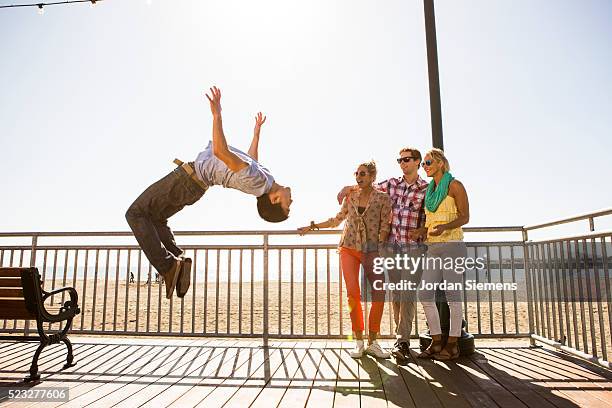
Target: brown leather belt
(188, 168)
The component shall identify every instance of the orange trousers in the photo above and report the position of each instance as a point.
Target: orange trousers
(350, 260)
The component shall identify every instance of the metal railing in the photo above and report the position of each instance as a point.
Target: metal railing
(293, 288)
(261, 290)
(569, 289)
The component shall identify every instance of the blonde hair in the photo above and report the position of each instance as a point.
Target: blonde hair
(438, 155)
(371, 166)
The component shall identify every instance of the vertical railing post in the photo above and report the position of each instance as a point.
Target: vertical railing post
(33, 251)
(526, 267)
(266, 330)
(591, 224)
(26, 326)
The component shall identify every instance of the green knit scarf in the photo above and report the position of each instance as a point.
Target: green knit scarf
(435, 194)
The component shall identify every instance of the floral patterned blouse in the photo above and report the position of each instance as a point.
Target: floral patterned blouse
(363, 232)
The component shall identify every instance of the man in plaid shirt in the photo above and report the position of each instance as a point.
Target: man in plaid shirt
(408, 202)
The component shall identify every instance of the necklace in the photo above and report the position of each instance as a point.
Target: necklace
(367, 198)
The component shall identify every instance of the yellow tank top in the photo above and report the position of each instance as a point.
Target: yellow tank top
(446, 212)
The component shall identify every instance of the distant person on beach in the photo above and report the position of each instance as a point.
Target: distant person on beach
(218, 164)
(446, 211)
(407, 194)
(131, 277)
(367, 213)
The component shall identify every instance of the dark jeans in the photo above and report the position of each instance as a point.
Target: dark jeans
(148, 216)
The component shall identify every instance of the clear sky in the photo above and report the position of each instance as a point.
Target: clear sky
(96, 102)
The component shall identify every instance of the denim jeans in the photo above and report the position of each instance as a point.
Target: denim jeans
(148, 216)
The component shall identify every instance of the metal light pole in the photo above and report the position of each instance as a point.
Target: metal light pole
(466, 341)
(434, 76)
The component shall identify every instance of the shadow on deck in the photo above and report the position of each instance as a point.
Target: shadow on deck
(134, 372)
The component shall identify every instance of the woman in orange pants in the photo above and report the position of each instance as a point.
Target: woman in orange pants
(367, 212)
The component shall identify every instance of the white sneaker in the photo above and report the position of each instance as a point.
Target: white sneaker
(357, 352)
(375, 350)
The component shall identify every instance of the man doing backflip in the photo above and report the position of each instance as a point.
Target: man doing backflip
(218, 164)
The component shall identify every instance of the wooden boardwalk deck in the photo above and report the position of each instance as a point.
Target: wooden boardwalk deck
(145, 372)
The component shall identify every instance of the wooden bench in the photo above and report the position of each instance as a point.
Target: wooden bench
(22, 298)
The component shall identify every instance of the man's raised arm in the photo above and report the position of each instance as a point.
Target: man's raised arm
(220, 148)
(253, 150)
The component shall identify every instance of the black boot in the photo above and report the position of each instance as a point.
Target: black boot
(401, 351)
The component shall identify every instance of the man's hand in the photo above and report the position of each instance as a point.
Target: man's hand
(418, 233)
(260, 119)
(215, 101)
(383, 248)
(344, 192)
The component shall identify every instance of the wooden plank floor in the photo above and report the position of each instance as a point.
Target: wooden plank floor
(163, 372)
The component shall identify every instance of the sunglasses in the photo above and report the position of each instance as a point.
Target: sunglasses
(405, 159)
(360, 173)
(427, 163)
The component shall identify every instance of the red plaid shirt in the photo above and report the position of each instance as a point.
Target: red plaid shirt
(408, 205)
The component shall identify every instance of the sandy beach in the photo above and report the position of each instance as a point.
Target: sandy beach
(298, 312)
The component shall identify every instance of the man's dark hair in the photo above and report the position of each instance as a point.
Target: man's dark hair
(268, 211)
(413, 152)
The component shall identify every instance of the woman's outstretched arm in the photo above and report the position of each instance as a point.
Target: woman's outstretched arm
(329, 223)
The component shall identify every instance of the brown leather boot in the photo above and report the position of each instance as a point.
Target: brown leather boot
(184, 280)
(171, 277)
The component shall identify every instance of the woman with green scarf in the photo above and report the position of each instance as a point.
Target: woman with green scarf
(446, 210)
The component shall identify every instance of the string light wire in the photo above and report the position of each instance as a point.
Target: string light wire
(40, 6)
